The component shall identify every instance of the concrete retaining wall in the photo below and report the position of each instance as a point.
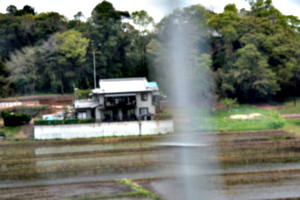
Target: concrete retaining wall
(9, 104)
(68, 131)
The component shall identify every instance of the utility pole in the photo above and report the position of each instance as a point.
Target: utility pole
(94, 62)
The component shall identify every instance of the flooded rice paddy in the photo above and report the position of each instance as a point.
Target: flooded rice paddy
(244, 165)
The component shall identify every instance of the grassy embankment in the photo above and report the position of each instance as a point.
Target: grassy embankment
(292, 125)
(201, 119)
(137, 192)
(11, 132)
(220, 120)
(25, 131)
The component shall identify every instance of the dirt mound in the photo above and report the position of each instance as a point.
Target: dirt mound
(267, 106)
(53, 99)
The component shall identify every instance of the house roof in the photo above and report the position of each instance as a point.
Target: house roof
(153, 85)
(123, 85)
(85, 104)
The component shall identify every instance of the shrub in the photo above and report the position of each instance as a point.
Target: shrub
(66, 121)
(16, 119)
(2, 134)
(86, 121)
(31, 110)
(229, 103)
(4, 113)
(164, 115)
(48, 122)
(71, 121)
(275, 124)
(82, 94)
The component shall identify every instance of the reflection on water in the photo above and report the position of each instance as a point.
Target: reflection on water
(249, 169)
(85, 148)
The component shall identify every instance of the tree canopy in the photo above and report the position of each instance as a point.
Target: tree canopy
(248, 55)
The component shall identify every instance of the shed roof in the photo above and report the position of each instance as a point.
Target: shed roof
(123, 85)
(85, 104)
(153, 85)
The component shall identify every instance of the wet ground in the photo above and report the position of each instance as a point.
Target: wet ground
(245, 165)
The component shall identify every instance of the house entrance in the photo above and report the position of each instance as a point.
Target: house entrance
(115, 115)
(124, 115)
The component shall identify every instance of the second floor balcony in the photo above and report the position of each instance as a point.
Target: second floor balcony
(120, 100)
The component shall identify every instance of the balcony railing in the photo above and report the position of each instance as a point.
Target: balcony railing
(120, 102)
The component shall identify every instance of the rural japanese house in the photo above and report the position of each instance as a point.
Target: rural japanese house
(123, 99)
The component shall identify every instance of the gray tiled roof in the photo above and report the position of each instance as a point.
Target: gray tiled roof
(85, 104)
(122, 85)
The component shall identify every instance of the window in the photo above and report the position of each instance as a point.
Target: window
(143, 111)
(131, 114)
(81, 115)
(144, 96)
(107, 116)
(120, 101)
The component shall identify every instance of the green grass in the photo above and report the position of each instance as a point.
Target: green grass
(220, 121)
(138, 188)
(292, 126)
(137, 191)
(289, 108)
(267, 120)
(10, 132)
(114, 196)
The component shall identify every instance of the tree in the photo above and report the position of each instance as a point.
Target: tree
(23, 70)
(49, 23)
(141, 37)
(78, 15)
(142, 19)
(180, 56)
(265, 28)
(29, 10)
(50, 69)
(72, 53)
(108, 40)
(229, 103)
(3, 79)
(225, 25)
(11, 9)
(253, 77)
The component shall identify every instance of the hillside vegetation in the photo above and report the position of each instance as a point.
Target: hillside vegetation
(251, 55)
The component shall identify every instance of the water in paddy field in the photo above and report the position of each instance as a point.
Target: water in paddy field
(243, 169)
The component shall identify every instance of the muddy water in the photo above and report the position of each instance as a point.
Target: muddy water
(27, 163)
(254, 165)
(258, 165)
(89, 147)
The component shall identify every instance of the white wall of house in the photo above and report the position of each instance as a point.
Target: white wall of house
(68, 131)
(98, 114)
(88, 114)
(139, 104)
(144, 104)
(101, 99)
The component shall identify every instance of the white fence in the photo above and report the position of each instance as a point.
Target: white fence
(9, 104)
(68, 131)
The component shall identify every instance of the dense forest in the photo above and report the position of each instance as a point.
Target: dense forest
(251, 55)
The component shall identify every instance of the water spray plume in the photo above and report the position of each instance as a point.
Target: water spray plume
(190, 91)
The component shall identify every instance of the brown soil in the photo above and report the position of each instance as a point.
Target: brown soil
(234, 151)
(66, 191)
(267, 106)
(54, 99)
(56, 102)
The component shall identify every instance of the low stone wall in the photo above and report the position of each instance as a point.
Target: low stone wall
(107, 129)
(9, 104)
